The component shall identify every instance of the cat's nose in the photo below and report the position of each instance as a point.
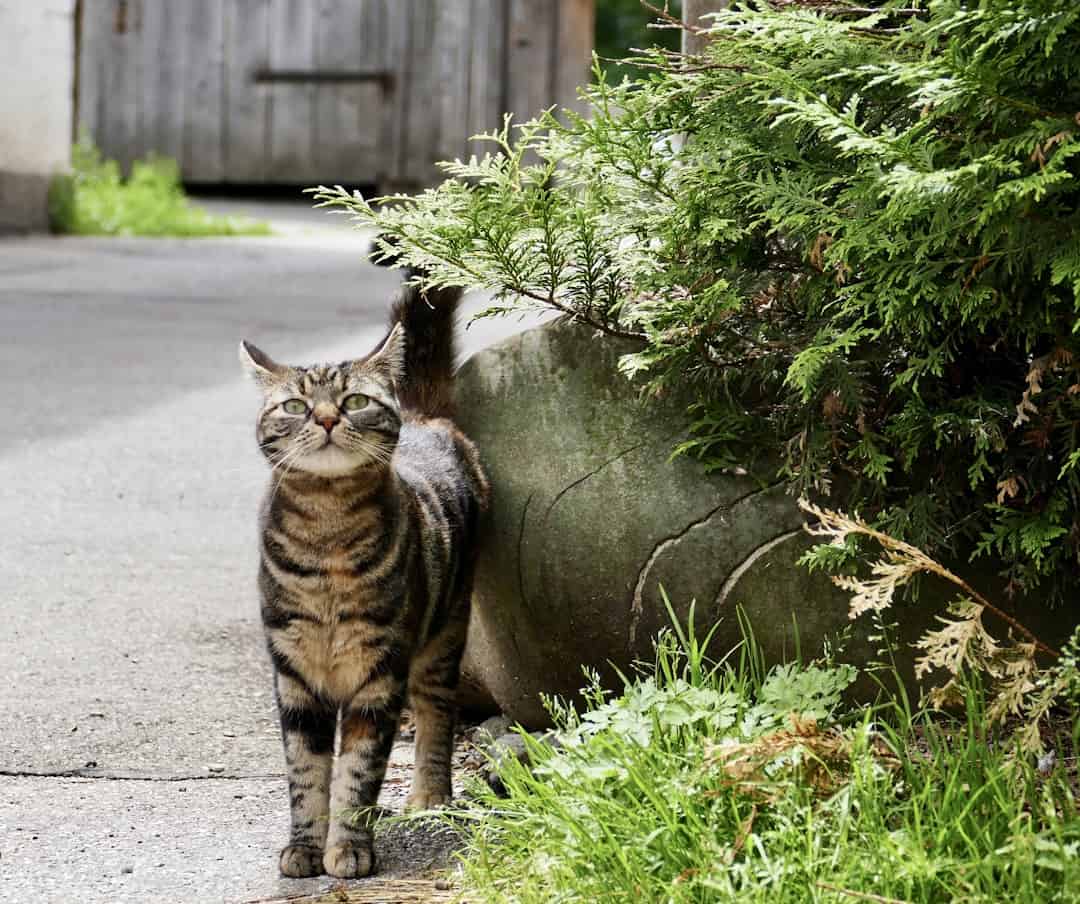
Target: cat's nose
(328, 422)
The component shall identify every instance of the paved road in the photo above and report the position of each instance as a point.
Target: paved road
(139, 757)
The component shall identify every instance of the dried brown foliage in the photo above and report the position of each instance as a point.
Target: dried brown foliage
(1020, 686)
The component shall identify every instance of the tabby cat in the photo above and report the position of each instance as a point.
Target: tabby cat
(368, 546)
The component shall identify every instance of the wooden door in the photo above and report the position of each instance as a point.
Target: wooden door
(240, 91)
(301, 92)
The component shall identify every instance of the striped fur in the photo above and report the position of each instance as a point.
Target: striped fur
(368, 544)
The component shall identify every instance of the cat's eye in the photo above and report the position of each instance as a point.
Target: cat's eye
(355, 402)
(294, 406)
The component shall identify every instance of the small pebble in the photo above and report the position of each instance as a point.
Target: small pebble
(490, 729)
(215, 767)
(442, 885)
(1046, 762)
(128, 869)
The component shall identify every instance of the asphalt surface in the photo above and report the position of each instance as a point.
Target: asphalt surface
(139, 753)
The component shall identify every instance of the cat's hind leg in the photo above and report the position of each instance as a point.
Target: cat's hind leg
(307, 730)
(433, 681)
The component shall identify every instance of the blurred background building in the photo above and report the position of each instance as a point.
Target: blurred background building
(274, 92)
(297, 92)
(260, 94)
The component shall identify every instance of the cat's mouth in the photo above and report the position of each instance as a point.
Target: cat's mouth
(329, 459)
(329, 447)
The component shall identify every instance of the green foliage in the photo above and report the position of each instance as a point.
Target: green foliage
(856, 234)
(94, 199)
(702, 783)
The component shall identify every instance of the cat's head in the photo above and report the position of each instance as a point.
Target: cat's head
(328, 419)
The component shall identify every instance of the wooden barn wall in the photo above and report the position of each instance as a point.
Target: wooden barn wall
(306, 91)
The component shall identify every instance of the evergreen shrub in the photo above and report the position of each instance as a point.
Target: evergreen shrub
(852, 228)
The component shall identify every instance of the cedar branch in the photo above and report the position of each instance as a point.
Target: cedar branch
(924, 563)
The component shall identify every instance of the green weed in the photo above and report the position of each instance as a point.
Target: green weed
(94, 199)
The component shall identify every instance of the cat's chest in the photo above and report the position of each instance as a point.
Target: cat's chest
(334, 658)
(338, 585)
(334, 636)
(344, 581)
(329, 562)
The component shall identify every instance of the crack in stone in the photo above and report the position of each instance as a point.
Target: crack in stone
(135, 776)
(591, 473)
(543, 522)
(747, 563)
(520, 569)
(637, 601)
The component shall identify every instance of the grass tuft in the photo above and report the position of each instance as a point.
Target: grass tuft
(706, 782)
(94, 199)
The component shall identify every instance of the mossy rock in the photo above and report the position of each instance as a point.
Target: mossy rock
(591, 517)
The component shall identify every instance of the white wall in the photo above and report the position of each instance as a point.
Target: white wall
(37, 71)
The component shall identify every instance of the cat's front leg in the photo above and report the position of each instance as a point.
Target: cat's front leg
(367, 735)
(307, 730)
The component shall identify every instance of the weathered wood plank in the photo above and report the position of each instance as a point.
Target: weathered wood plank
(487, 78)
(292, 106)
(451, 62)
(574, 44)
(421, 88)
(394, 117)
(164, 77)
(204, 151)
(120, 136)
(246, 114)
(693, 10)
(348, 115)
(530, 57)
(90, 107)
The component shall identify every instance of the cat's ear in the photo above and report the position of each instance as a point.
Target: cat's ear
(388, 363)
(263, 369)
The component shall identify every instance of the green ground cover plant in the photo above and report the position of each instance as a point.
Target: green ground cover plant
(708, 782)
(853, 228)
(95, 199)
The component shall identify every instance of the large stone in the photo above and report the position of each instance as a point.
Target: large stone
(591, 517)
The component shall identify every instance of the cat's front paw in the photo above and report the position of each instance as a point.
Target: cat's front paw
(349, 861)
(298, 861)
(426, 800)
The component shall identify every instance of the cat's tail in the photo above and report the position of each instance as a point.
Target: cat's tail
(428, 321)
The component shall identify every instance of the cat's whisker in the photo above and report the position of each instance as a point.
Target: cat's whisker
(285, 465)
(377, 451)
